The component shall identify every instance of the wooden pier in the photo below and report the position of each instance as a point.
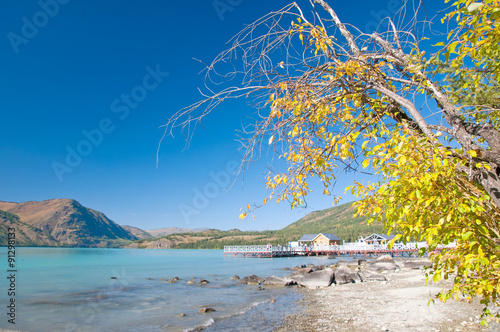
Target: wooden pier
(398, 250)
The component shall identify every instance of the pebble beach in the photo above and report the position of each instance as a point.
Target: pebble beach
(401, 303)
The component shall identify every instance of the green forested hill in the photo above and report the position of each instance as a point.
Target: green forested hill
(338, 220)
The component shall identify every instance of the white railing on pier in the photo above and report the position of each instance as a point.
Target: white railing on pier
(246, 248)
(348, 247)
(260, 248)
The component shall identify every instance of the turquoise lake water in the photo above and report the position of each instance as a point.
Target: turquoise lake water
(71, 289)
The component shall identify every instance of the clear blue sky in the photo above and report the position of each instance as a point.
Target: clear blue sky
(68, 71)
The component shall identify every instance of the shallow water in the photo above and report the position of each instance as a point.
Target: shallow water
(70, 289)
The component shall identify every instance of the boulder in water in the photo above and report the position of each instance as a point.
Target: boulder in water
(300, 273)
(277, 281)
(252, 280)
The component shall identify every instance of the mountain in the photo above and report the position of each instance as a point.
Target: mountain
(60, 222)
(173, 230)
(339, 220)
(24, 235)
(137, 232)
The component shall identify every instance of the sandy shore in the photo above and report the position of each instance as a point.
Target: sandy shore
(398, 304)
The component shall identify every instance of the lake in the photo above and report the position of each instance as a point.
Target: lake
(82, 289)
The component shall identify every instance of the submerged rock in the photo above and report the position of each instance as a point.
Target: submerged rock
(295, 268)
(205, 310)
(190, 282)
(235, 277)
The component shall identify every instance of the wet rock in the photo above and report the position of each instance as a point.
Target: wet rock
(235, 277)
(294, 276)
(190, 282)
(344, 275)
(252, 280)
(203, 281)
(277, 281)
(205, 310)
(296, 268)
(181, 315)
(114, 278)
(173, 280)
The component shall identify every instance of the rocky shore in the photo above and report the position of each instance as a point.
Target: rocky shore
(383, 295)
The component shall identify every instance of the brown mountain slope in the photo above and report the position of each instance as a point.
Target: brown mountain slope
(25, 235)
(65, 222)
(137, 232)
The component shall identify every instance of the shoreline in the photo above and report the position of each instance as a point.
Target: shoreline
(399, 304)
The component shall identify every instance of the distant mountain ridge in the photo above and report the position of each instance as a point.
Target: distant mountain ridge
(137, 232)
(60, 222)
(160, 232)
(66, 223)
(338, 220)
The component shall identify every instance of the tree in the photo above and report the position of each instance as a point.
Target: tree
(331, 98)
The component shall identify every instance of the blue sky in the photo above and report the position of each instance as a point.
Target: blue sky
(99, 79)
